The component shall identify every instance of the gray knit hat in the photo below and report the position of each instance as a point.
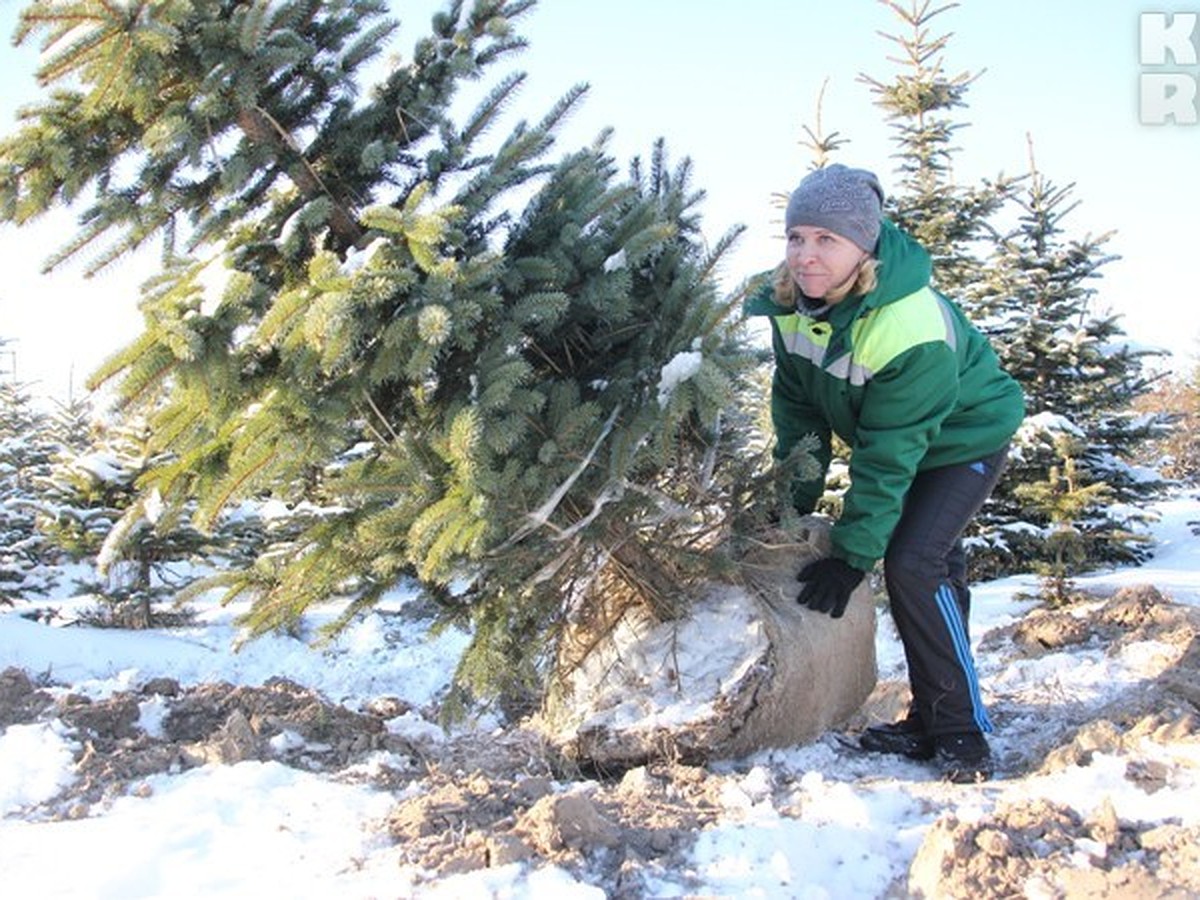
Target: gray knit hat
(848, 202)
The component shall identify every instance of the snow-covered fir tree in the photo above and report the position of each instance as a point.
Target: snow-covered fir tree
(27, 448)
(529, 353)
(1081, 376)
(65, 498)
(91, 488)
(72, 423)
(141, 552)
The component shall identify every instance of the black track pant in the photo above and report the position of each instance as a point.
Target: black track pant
(926, 574)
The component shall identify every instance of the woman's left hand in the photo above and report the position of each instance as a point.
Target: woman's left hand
(828, 585)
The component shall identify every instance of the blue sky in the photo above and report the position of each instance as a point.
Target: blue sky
(731, 85)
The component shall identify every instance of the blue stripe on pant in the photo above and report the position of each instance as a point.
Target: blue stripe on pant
(925, 572)
(948, 604)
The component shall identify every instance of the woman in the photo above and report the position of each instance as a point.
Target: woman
(866, 349)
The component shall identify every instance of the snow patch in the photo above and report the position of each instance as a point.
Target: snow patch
(683, 365)
(152, 713)
(671, 665)
(36, 762)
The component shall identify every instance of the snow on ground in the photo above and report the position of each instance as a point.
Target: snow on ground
(813, 821)
(384, 653)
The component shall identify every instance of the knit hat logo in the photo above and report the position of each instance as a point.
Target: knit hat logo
(846, 201)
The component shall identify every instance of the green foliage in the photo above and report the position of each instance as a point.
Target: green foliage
(92, 509)
(1079, 373)
(470, 364)
(921, 103)
(28, 444)
(199, 114)
(1067, 502)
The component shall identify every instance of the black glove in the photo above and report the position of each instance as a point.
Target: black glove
(828, 585)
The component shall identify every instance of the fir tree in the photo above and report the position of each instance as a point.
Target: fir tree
(27, 448)
(193, 115)
(66, 495)
(80, 500)
(921, 102)
(71, 423)
(515, 401)
(142, 552)
(1066, 504)
(1075, 365)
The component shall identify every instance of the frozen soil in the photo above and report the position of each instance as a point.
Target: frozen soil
(476, 799)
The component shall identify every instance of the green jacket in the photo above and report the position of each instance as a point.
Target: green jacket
(901, 376)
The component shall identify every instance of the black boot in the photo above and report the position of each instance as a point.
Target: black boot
(906, 737)
(963, 758)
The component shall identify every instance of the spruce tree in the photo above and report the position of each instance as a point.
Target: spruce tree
(66, 498)
(512, 396)
(71, 423)
(27, 448)
(921, 102)
(193, 117)
(1078, 371)
(140, 551)
(1066, 504)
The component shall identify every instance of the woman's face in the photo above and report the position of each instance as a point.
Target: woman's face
(824, 264)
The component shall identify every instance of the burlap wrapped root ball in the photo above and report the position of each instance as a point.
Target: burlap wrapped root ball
(745, 669)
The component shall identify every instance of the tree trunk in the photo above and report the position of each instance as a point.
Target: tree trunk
(260, 128)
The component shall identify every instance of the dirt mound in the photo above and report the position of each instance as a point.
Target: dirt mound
(244, 719)
(651, 814)
(1134, 613)
(1164, 704)
(21, 701)
(1038, 848)
(209, 723)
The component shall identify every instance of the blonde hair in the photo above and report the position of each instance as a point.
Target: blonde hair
(787, 293)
